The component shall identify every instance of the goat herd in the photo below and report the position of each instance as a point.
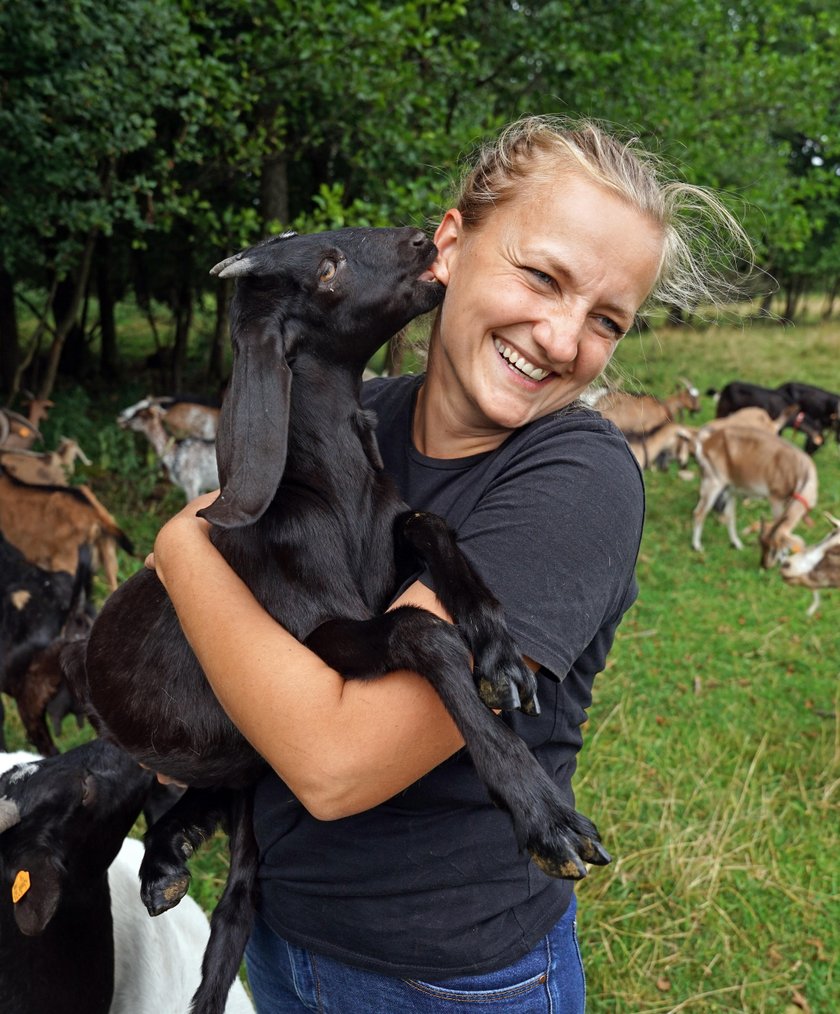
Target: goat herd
(742, 450)
(63, 945)
(74, 933)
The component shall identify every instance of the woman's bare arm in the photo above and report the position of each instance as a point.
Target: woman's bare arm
(341, 746)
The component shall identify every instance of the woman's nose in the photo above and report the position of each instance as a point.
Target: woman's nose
(559, 337)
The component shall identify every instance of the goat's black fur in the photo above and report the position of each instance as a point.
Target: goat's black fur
(36, 608)
(818, 404)
(63, 821)
(742, 394)
(308, 518)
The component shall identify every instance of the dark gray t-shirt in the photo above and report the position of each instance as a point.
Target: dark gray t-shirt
(430, 883)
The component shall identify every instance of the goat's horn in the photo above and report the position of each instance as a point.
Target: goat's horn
(232, 267)
(832, 519)
(9, 814)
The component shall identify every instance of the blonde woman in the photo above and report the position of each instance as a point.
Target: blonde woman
(389, 882)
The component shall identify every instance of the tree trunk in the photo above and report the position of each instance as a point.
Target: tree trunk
(792, 294)
(9, 343)
(108, 360)
(274, 190)
(183, 321)
(68, 319)
(830, 298)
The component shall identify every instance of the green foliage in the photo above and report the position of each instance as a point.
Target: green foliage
(186, 129)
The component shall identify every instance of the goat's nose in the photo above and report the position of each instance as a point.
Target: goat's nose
(419, 239)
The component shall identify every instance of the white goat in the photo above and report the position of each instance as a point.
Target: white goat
(816, 566)
(189, 463)
(760, 464)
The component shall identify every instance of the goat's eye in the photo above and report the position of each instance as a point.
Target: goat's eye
(326, 272)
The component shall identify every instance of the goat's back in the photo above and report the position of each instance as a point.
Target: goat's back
(757, 462)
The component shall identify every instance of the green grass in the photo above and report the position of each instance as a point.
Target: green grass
(712, 756)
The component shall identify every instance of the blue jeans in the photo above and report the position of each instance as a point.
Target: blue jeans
(285, 979)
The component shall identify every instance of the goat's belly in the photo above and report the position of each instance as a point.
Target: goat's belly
(151, 696)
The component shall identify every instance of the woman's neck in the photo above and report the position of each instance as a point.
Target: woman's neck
(439, 428)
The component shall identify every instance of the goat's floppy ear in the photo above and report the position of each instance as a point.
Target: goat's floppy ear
(39, 882)
(252, 439)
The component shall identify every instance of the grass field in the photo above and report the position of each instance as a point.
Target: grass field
(712, 755)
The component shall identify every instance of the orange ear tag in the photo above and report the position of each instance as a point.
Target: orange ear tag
(20, 886)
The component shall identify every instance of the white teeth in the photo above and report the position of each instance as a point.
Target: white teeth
(519, 362)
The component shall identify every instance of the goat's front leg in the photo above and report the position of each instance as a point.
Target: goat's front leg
(501, 676)
(171, 841)
(559, 839)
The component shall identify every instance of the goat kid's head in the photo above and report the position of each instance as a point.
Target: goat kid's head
(62, 821)
(334, 297)
(776, 543)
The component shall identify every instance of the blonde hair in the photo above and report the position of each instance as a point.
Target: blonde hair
(704, 247)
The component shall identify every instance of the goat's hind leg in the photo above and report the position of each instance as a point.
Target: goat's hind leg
(503, 679)
(233, 916)
(559, 839)
(171, 841)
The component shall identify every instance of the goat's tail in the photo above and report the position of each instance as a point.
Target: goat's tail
(233, 917)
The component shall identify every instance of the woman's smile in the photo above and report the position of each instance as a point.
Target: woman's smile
(518, 364)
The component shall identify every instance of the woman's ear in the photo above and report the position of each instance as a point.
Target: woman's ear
(448, 238)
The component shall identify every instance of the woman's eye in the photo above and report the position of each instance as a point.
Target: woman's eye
(610, 325)
(541, 276)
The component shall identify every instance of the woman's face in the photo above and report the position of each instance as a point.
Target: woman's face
(537, 298)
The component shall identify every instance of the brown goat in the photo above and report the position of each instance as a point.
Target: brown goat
(670, 439)
(50, 468)
(638, 415)
(19, 432)
(48, 524)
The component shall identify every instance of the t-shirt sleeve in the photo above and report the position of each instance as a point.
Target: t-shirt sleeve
(556, 537)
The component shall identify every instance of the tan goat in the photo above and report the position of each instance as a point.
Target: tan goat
(638, 415)
(50, 468)
(48, 524)
(671, 438)
(760, 464)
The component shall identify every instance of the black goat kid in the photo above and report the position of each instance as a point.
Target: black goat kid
(308, 518)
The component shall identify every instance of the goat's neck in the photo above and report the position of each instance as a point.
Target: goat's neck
(158, 437)
(328, 430)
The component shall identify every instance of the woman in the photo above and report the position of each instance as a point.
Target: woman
(389, 882)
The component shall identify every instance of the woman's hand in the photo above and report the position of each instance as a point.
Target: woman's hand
(177, 533)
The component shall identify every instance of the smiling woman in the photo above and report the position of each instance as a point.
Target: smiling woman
(389, 881)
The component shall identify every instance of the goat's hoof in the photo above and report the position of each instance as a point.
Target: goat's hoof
(509, 687)
(565, 853)
(163, 893)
